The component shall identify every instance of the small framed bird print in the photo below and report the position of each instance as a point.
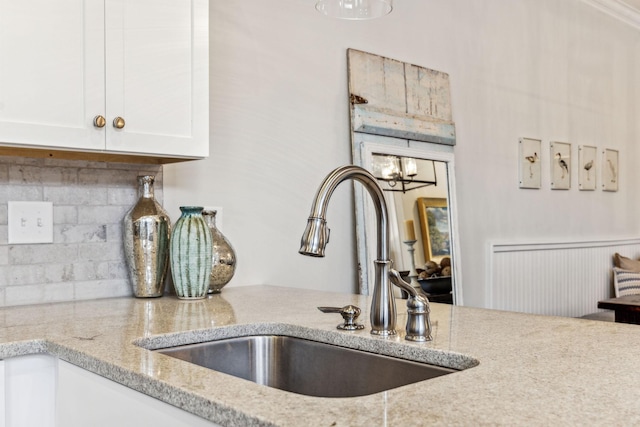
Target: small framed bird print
(529, 162)
(610, 172)
(560, 165)
(587, 167)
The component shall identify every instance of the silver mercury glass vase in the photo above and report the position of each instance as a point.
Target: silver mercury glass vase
(146, 231)
(223, 256)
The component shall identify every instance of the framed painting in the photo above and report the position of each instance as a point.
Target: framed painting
(610, 171)
(587, 167)
(529, 162)
(434, 225)
(560, 165)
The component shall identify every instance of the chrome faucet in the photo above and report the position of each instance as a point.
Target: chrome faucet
(316, 237)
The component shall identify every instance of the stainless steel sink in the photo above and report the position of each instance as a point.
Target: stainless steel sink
(306, 367)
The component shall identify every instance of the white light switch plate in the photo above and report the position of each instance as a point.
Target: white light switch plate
(30, 222)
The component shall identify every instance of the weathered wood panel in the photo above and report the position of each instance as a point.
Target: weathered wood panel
(386, 123)
(397, 99)
(379, 80)
(428, 92)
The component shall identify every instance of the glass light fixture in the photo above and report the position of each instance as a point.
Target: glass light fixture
(399, 173)
(354, 9)
(388, 168)
(409, 166)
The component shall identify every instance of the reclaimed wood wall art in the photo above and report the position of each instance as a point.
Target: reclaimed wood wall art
(400, 100)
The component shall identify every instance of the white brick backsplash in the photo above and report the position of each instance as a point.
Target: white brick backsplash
(102, 289)
(74, 164)
(77, 195)
(86, 260)
(27, 274)
(65, 214)
(101, 214)
(39, 294)
(59, 273)
(24, 174)
(104, 177)
(121, 196)
(84, 271)
(69, 233)
(4, 256)
(42, 254)
(24, 192)
(99, 252)
(59, 176)
(118, 270)
(114, 232)
(4, 173)
(4, 276)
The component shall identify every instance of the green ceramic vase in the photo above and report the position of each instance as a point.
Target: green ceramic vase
(190, 254)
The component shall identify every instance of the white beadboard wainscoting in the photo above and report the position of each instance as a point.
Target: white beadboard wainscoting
(560, 279)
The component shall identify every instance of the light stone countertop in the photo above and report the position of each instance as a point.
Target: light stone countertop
(533, 370)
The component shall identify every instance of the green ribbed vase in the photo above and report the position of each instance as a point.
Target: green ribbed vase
(190, 254)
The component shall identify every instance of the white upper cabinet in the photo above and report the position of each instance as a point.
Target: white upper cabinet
(157, 76)
(109, 76)
(51, 73)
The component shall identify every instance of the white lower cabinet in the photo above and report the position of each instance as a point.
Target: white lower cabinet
(42, 391)
(30, 389)
(86, 399)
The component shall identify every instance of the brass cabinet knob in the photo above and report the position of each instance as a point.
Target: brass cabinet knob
(99, 121)
(118, 122)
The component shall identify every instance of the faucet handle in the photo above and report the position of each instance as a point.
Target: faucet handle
(349, 313)
(418, 310)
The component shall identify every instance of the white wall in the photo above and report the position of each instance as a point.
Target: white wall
(548, 69)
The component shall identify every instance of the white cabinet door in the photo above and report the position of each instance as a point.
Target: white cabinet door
(157, 76)
(86, 399)
(65, 62)
(51, 72)
(30, 386)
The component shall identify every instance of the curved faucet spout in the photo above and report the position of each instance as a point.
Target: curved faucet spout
(316, 236)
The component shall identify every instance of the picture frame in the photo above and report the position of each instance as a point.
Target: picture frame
(587, 167)
(610, 170)
(560, 153)
(530, 171)
(434, 225)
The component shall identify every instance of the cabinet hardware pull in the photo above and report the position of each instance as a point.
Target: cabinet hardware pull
(118, 122)
(99, 121)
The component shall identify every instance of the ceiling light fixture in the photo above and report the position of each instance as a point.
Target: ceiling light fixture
(354, 9)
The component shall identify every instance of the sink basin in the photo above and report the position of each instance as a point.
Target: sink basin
(306, 367)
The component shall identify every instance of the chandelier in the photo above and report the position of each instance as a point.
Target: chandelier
(399, 173)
